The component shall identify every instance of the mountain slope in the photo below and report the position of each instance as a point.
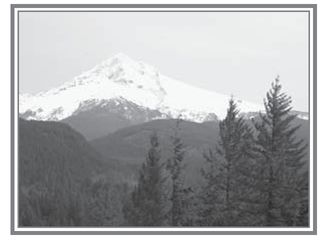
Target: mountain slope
(121, 78)
(99, 119)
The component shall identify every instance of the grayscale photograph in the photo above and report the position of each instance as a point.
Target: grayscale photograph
(182, 119)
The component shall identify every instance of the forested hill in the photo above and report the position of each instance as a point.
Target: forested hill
(62, 180)
(53, 144)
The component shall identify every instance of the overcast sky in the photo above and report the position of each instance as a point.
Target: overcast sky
(230, 53)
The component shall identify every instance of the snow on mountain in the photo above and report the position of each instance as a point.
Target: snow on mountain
(120, 77)
(300, 114)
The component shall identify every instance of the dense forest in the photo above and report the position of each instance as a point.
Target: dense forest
(254, 173)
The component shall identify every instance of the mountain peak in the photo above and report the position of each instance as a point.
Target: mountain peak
(119, 59)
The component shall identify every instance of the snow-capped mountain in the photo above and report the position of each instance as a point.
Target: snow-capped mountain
(121, 79)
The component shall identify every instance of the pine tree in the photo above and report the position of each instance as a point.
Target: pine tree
(281, 160)
(224, 174)
(146, 207)
(179, 193)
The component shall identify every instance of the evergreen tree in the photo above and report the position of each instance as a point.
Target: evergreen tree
(281, 160)
(146, 207)
(227, 167)
(179, 193)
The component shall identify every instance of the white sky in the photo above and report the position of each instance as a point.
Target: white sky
(230, 53)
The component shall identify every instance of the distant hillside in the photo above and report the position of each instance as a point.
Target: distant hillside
(130, 145)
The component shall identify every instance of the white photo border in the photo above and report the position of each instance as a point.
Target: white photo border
(311, 9)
